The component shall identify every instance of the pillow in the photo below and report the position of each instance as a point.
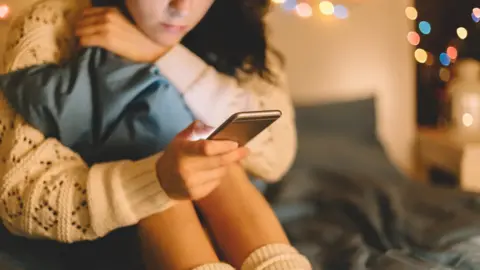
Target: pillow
(346, 156)
(353, 119)
(336, 138)
(341, 137)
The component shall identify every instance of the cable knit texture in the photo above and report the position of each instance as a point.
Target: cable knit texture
(269, 257)
(276, 257)
(214, 266)
(47, 191)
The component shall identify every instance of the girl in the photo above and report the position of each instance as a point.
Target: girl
(175, 21)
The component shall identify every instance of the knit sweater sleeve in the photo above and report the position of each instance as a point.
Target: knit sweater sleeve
(47, 190)
(213, 97)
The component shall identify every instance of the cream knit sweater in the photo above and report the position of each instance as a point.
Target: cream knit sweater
(47, 191)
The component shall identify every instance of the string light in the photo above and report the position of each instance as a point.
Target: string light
(289, 4)
(421, 55)
(430, 59)
(340, 12)
(462, 32)
(4, 11)
(425, 27)
(476, 12)
(304, 10)
(475, 18)
(445, 59)
(467, 120)
(452, 52)
(411, 13)
(444, 74)
(326, 8)
(413, 38)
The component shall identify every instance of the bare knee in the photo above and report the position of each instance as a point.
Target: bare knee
(175, 239)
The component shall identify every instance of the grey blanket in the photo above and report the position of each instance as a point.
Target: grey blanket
(343, 221)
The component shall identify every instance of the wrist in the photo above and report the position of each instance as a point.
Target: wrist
(163, 178)
(156, 53)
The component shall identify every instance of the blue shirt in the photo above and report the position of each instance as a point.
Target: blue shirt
(102, 106)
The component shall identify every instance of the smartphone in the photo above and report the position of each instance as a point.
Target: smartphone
(241, 127)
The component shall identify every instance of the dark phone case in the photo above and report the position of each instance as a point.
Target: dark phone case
(244, 126)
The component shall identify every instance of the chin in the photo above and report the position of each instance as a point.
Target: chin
(167, 40)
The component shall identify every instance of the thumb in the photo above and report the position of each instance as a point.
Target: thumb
(195, 131)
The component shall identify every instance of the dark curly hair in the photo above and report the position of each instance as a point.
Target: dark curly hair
(231, 37)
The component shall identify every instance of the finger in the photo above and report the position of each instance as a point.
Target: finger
(205, 189)
(98, 11)
(195, 128)
(100, 22)
(201, 132)
(195, 131)
(89, 21)
(201, 127)
(186, 133)
(94, 29)
(96, 40)
(212, 162)
(210, 147)
(105, 16)
(203, 176)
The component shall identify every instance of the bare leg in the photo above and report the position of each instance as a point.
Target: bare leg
(175, 239)
(240, 218)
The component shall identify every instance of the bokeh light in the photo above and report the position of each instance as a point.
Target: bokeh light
(340, 12)
(467, 120)
(445, 59)
(4, 11)
(411, 13)
(278, 1)
(475, 18)
(444, 74)
(430, 59)
(413, 38)
(425, 27)
(304, 10)
(476, 12)
(290, 4)
(326, 8)
(452, 52)
(462, 32)
(421, 55)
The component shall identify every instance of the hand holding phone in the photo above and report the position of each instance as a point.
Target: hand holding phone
(242, 127)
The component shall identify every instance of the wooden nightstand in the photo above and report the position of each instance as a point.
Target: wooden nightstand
(443, 150)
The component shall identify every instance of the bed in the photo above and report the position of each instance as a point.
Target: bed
(347, 206)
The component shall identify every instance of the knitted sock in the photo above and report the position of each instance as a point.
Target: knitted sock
(276, 257)
(214, 266)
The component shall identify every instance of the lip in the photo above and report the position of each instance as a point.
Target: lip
(175, 29)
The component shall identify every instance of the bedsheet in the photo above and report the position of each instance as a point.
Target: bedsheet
(349, 222)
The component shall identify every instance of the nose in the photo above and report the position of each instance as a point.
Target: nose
(180, 7)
